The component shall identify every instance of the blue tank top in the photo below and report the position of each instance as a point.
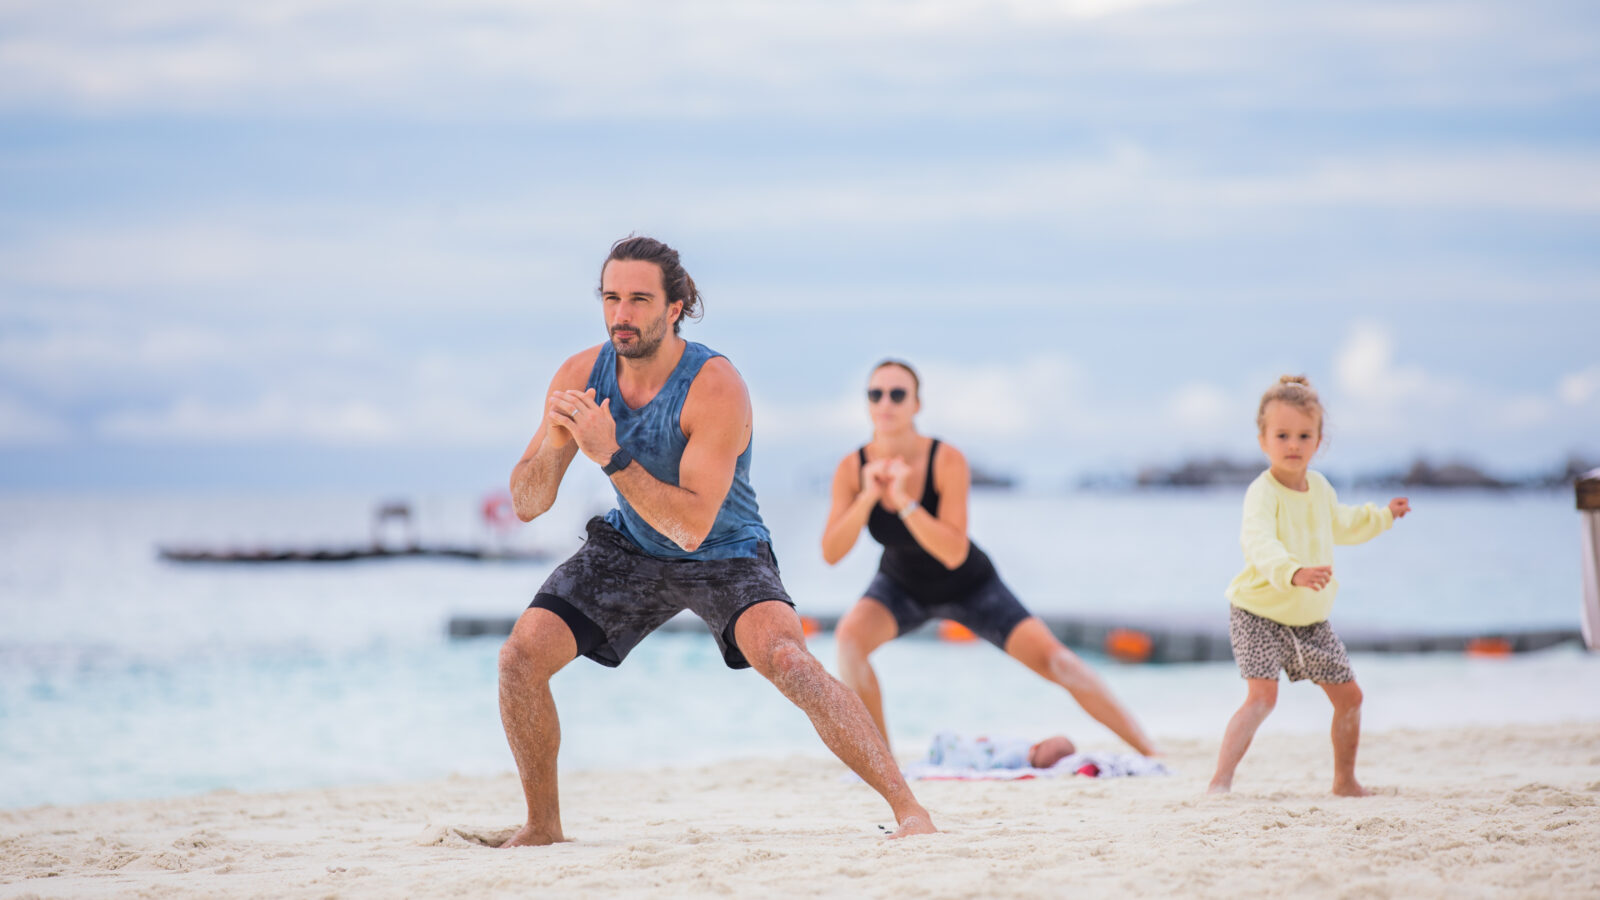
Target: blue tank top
(653, 434)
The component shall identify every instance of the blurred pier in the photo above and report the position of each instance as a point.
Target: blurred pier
(387, 518)
(351, 553)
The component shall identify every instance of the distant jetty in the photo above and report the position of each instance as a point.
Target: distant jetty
(1152, 641)
(346, 554)
(496, 511)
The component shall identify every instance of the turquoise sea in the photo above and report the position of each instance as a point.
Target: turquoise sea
(123, 676)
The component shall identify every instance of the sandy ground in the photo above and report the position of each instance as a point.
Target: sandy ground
(1459, 813)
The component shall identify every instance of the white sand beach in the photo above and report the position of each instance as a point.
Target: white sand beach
(1509, 811)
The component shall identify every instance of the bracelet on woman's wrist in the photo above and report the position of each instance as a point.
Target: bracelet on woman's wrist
(910, 507)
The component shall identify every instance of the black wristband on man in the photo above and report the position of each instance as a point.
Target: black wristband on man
(619, 460)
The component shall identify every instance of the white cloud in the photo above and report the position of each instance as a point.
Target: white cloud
(973, 402)
(354, 256)
(23, 425)
(511, 244)
(318, 386)
(236, 305)
(1378, 397)
(1203, 407)
(1366, 371)
(296, 415)
(1126, 189)
(1520, 412)
(716, 56)
(832, 420)
(1581, 387)
(121, 355)
(1548, 181)
(1034, 397)
(271, 417)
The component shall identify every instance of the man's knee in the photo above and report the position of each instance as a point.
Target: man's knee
(520, 660)
(788, 664)
(539, 646)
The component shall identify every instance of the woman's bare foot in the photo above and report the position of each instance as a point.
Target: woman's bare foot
(1351, 788)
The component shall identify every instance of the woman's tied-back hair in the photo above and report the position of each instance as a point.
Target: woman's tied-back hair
(1296, 391)
(916, 382)
(679, 286)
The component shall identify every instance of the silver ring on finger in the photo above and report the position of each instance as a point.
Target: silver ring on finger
(574, 413)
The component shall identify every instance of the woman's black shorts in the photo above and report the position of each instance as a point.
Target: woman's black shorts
(990, 609)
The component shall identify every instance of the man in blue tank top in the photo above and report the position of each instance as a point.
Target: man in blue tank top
(669, 421)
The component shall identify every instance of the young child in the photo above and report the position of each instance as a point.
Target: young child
(1280, 602)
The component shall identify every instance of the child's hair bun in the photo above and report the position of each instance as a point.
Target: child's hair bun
(1295, 390)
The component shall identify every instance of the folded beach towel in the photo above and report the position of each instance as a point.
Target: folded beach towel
(1094, 765)
(953, 756)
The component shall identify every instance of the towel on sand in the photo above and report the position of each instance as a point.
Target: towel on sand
(954, 757)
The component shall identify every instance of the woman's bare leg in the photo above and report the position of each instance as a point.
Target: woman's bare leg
(1032, 643)
(865, 628)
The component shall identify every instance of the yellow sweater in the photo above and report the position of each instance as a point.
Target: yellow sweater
(1286, 530)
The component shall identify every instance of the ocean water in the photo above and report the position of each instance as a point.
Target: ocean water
(123, 676)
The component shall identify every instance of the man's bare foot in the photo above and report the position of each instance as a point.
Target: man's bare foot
(916, 823)
(1220, 787)
(1350, 788)
(528, 836)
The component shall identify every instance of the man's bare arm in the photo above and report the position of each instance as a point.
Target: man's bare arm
(537, 476)
(716, 418)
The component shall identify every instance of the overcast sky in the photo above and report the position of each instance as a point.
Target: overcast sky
(347, 242)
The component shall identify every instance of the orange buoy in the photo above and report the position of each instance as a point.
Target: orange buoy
(1489, 646)
(955, 632)
(810, 627)
(1129, 646)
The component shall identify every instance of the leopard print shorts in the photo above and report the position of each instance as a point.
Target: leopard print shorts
(1263, 647)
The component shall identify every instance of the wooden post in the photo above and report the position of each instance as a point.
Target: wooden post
(1588, 489)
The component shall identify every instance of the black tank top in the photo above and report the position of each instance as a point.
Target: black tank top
(914, 568)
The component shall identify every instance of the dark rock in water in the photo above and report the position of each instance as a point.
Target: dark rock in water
(1216, 472)
(1450, 475)
(990, 480)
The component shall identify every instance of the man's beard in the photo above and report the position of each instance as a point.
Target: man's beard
(645, 342)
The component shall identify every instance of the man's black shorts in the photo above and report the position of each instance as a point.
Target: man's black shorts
(612, 594)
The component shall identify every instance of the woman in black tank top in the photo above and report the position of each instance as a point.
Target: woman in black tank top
(910, 493)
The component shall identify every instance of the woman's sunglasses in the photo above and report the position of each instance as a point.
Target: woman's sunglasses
(896, 395)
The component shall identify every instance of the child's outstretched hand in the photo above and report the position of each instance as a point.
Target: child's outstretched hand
(1314, 577)
(1399, 506)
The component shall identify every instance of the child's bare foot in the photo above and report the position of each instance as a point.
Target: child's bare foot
(1351, 788)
